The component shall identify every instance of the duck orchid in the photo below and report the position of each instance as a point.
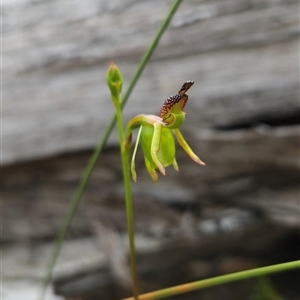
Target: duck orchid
(156, 135)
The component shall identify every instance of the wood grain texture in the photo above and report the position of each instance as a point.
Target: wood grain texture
(242, 120)
(243, 56)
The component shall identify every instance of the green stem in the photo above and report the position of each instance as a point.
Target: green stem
(147, 55)
(88, 170)
(196, 285)
(128, 197)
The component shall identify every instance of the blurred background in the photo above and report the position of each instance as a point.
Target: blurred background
(238, 212)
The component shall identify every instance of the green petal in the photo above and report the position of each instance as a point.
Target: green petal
(167, 150)
(133, 173)
(158, 146)
(182, 142)
(150, 170)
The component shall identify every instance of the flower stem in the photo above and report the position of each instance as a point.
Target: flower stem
(128, 197)
(196, 285)
(88, 170)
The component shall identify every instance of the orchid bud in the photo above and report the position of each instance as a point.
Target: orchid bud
(114, 80)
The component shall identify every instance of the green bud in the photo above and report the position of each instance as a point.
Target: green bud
(114, 80)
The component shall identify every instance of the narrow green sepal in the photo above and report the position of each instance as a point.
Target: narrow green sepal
(132, 168)
(175, 165)
(182, 142)
(150, 170)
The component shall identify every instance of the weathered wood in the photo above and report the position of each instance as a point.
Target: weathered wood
(243, 167)
(242, 120)
(243, 57)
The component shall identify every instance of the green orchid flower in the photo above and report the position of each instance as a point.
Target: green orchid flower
(156, 135)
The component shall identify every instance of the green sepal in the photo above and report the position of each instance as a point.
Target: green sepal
(182, 142)
(163, 141)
